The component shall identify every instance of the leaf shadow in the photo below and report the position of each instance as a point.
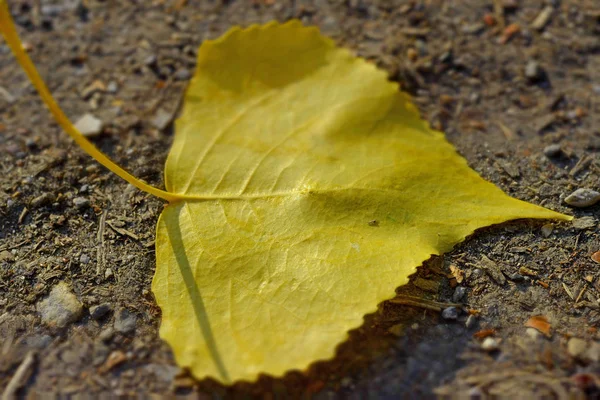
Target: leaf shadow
(176, 241)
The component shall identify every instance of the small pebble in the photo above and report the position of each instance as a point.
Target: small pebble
(450, 313)
(476, 393)
(61, 307)
(547, 230)
(583, 198)
(31, 143)
(38, 342)
(165, 373)
(100, 311)
(533, 71)
(576, 347)
(182, 74)
(112, 87)
(490, 344)
(151, 60)
(533, 333)
(84, 259)
(89, 125)
(458, 294)
(125, 321)
(81, 202)
(554, 150)
(470, 322)
(42, 200)
(162, 119)
(106, 335)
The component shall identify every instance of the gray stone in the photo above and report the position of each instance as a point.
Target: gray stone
(161, 119)
(61, 307)
(182, 74)
(547, 230)
(165, 373)
(533, 71)
(112, 87)
(84, 259)
(42, 200)
(471, 321)
(89, 125)
(554, 150)
(583, 198)
(125, 321)
(106, 335)
(38, 342)
(81, 202)
(458, 294)
(330, 26)
(100, 311)
(151, 60)
(450, 313)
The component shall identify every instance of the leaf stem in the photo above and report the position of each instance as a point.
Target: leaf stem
(7, 27)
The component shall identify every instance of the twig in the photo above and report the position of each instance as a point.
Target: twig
(100, 256)
(17, 379)
(122, 231)
(422, 303)
(499, 12)
(568, 291)
(508, 133)
(581, 293)
(23, 215)
(14, 246)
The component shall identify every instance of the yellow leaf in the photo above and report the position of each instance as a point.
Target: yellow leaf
(319, 191)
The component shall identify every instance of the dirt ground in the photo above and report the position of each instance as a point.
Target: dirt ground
(501, 98)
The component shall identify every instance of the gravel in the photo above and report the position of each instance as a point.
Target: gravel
(81, 202)
(61, 307)
(125, 321)
(553, 151)
(450, 313)
(583, 198)
(89, 125)
(533, 71)
(100, 311)
(490, 344)
(458, 294)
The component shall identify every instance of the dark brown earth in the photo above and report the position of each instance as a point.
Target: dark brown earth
(467, 77)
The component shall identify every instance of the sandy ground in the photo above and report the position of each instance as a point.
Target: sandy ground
(501, 98)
